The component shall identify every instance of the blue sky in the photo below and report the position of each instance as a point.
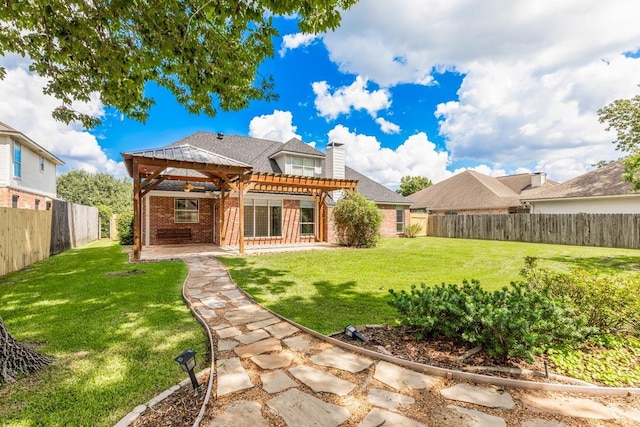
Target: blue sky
(418, 87)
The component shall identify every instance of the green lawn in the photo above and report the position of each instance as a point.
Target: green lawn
(326, 290)
(113, 336)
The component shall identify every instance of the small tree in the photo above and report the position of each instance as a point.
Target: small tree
(413, 184)
(357, 221)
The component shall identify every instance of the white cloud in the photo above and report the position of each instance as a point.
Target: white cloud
(25, 108)
(294, 41)
(355, 96)
(535, 73)
(276, 127)
(387, 127)
(416, 156)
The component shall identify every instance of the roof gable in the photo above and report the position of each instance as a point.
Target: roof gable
(8, 130)
(296, 146)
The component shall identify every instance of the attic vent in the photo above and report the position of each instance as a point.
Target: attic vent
(220, 135)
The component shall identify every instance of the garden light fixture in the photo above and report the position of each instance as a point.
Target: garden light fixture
(187, 361)
(353, 333)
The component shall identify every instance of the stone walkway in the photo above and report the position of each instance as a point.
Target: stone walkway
(268, 373)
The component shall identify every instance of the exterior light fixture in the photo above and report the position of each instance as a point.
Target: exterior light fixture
(351, 332)
(187, 361)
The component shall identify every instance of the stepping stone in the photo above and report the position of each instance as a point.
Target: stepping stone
(228, 332)
(276, 381)
(214, 302)
(240, 303)
(318, 380)
(254, 336)
(282, 329)
(300, 343)
(401, 378)
(240, 414)
(567, 406)
(207, 313)
(379, 417)
(388, 400)
(246, 315)
(233, 294)
(221, 326)
(216, 274)
(231, 376)
(484, 396)
(341, 359)
(273, 361)
(264, 346)
(197, 283)
(299, 409)
(478, 419)
(222, 285)
(226, 345)
(539, 422)
(261, 324)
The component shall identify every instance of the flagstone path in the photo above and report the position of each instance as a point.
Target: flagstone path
(268, 373)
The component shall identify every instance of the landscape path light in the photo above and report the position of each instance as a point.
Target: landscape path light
(187, 361)
(353, 333)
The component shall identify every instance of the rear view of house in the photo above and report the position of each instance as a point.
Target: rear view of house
(232, 190)
(27, 171)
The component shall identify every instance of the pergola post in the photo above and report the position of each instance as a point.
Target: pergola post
(241, 215)
(223, 228)
(137, 212)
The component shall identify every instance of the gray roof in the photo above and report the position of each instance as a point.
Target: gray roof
(5, 129)
(259, 154)
(471, 190)
(187, 153)
(601, 182)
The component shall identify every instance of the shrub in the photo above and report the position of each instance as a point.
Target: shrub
(611, 304)
(125, 228)
(513, 321)
(105, 214)
(357, 221)
(412, 230)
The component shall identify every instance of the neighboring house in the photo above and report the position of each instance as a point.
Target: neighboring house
(27, 171)
(473, 193)
(232, 190)
(602, 190)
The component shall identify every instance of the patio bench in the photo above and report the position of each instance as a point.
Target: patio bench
(173, 233)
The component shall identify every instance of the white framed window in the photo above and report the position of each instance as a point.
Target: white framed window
(303, 166)
(41, 164)
(17, 160)
(307, 218)
(14, 201)
(262, 218)
(186, 211)
(399, 219)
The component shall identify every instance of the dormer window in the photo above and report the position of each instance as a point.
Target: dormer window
(303, 166)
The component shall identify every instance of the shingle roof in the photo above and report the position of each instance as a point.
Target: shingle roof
(470, 190)
(604, 181)
(374, 191)
(294, 145)
(6, 129)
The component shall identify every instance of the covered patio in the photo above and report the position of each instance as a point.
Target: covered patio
(149, 168)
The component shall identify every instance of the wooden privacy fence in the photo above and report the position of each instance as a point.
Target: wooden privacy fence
(422, 219)
(609, 230)
(28, 236)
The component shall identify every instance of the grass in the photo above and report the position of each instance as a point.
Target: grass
(113, 334)
(326, 290)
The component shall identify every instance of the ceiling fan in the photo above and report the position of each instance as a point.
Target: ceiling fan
(187, 187)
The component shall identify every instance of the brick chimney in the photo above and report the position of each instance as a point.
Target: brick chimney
(538, 179)
(334, 165)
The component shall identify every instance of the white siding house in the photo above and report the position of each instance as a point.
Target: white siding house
(27, 171)
(601, 191)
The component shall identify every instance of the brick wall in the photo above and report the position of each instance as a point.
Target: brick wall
(161, 215)
(25, 200)
(388, 226)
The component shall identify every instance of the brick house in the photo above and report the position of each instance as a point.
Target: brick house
(234, 190)
(27, 171)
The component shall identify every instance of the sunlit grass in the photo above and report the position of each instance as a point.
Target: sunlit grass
(326, 290)
(113, 337)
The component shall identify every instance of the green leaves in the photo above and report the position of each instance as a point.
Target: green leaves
(413, 184)
(206, 54)
(357, 221)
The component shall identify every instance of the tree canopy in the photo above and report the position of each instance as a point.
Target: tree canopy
(206, 53)
(97, 189)
(623, 116)
(413, 184)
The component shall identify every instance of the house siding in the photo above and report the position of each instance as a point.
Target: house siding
(604, 205)
(32, 181)
(6, 164)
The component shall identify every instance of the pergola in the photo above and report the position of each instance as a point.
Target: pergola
(149, 168)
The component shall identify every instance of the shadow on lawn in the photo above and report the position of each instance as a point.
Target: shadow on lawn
(603, 264)
(329, 308)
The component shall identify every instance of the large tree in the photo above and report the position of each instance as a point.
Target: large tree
(95, 189)
(623, 115)
(413, 184)
(205, 52)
